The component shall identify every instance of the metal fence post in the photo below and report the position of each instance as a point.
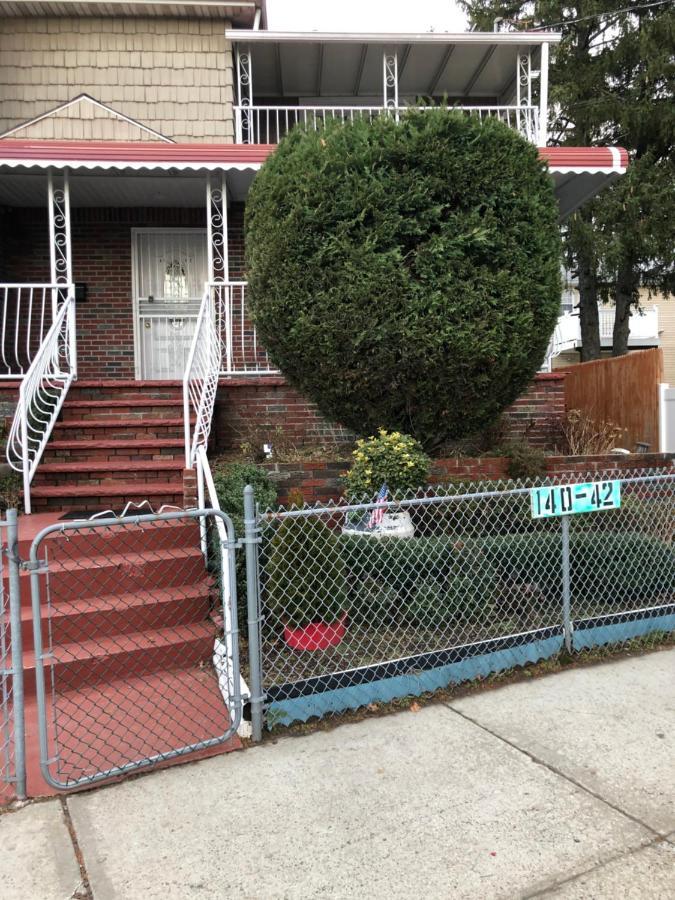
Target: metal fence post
(566, 606)
(17, 653)
(251, 538)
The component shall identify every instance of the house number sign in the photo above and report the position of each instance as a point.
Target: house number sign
(566, 499)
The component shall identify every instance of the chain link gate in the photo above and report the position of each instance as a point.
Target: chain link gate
(136, 643)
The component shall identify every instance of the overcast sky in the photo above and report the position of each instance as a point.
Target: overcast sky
(365, 15)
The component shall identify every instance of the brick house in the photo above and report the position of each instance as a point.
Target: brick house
(129, 135)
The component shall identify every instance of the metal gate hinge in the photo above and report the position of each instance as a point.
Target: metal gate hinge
(41, 566)
(242, 541)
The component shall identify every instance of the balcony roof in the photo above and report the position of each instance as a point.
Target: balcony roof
(578, 172)
(240, 13)
(469, 64)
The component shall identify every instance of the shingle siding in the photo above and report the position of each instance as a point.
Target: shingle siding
(173, 75)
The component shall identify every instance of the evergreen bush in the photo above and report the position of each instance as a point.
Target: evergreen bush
(406, 275)
(305, 574)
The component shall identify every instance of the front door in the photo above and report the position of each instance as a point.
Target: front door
(170, 268)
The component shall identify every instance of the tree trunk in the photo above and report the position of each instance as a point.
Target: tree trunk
(589, 316)
(624, 299)
(581, 241)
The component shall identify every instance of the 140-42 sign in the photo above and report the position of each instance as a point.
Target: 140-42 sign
(566, 499)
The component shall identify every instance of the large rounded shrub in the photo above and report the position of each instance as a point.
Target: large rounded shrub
(406, 275)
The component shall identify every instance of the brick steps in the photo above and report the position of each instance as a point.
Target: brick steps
(115, 442)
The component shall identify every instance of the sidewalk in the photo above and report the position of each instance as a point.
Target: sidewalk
(563, 786)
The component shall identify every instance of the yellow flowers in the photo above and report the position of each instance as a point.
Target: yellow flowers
(390, 458)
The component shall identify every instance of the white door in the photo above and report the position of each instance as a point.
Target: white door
(170, 268)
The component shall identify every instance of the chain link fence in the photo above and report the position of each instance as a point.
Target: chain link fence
(135, 642)
(365, 602)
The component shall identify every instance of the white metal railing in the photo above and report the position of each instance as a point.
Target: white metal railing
(200, 380)
(644, 329)
(242, 353)
(41, 395)
(644, 324)
(566, 336)
(27, 312)
(268, 124)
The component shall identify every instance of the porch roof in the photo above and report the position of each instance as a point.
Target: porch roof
(470, 64)
(578, 172)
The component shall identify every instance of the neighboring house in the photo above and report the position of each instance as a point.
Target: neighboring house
(648, 328)
(129, 136)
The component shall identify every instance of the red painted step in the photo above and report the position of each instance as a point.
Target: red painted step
(171, 708)
(98, 471)
(120, 613)
(130, 408)
(139, 653)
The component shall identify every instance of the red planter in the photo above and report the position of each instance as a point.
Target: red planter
(316, 635)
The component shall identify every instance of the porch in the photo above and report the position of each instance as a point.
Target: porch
(136, 252)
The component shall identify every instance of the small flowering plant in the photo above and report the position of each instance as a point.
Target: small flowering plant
(389, 457)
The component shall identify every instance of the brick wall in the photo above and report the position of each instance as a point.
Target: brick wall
(319, 482)
(268, 410)
(173, 75)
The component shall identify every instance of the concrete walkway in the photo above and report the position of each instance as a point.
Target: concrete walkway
(563, 787)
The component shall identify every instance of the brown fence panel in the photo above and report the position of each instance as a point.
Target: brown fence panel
(622, 390)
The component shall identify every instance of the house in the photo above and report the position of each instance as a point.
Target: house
(649, 327)
(129, 136)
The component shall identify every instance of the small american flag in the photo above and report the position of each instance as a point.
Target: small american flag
(378, 513)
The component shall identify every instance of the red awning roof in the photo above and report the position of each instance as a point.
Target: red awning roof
(131, 154)
(160, 155)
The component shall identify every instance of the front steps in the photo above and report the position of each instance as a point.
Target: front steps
(115, 442)
(127, 616)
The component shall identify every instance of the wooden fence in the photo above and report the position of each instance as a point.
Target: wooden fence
(622, 390)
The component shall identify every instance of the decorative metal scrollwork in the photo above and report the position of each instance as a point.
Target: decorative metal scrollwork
(59, 228)
(245, 94)
(216, 200)
(390, 73)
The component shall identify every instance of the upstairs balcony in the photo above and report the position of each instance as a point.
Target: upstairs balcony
(268, 124)
(289, 79)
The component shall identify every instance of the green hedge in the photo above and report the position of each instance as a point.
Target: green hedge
(481, 577)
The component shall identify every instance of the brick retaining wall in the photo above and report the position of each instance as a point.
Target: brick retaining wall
(263, 410)
(319, 482)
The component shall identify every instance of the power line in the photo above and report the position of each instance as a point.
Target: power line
(604, 15)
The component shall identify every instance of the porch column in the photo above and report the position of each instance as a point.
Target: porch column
(244, 118)
(60, 257)
(218, 263)
(216, 228)
(390, 79)
(524, 94)
(543, 97)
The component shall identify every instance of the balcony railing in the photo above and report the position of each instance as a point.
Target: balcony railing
(268, 124)
(644, 331)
